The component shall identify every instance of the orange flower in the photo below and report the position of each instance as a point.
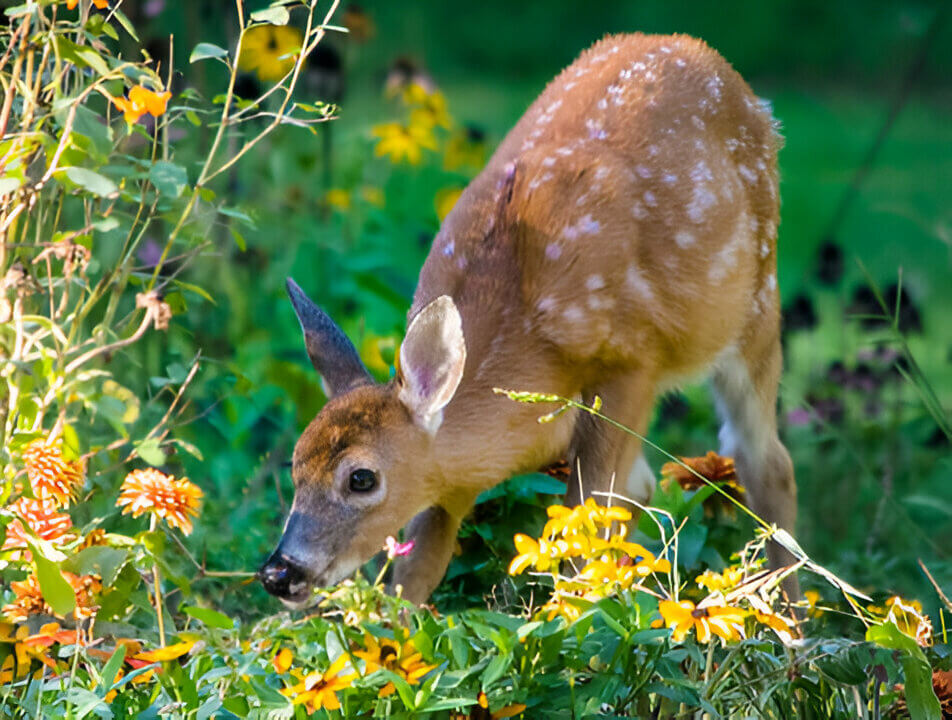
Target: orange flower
(101, 4)
(51, 476)
(726, 622)
(282, 661)
(29, 597)
(712, 466)
(16, 665)
(150, 490)
(171, 652)
(141, 100)
(41, 518)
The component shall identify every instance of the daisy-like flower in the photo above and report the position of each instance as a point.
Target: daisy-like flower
(282, 660)
(42, 518)
(540, 554)
(429, 106)
(722, 582)
(465, 149)
(318, 690)
(403, 660)
(51, 476)
(403, 142)
(141, 100)
(149, 490)
(270, 51)
(582, 519)
(721, 620)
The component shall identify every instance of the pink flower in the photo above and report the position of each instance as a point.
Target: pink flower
(397, 549)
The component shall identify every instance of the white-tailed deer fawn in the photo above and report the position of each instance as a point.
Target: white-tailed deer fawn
(620, 241)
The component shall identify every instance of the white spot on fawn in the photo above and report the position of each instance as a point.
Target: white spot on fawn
(636, 280)
(701, 197)
(553, 251)
(680, 62)
(650, 199)
(573, 313)
(698, 123)
(585, 226)
(595, 130)
(669, 178)
(714, 85)
(684, 239)
(546, 304)
(601, 172)
(570, 85)
(638, 211)
(665, 49)
(595, 282)
(549, 161)
(449, 249)
(772, 282)
(602, 104)
(653, 150)
(554, 106)
(750, 177)
(764, 250)
(643, 171)
(563, 151)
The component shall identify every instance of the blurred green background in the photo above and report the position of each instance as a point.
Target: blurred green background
(874, 469)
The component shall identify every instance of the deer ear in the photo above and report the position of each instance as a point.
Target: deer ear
(432, 358)
(331, 353)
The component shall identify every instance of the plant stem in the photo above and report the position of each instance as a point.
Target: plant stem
(157, 581)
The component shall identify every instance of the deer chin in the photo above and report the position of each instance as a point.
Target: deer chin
(302, 594)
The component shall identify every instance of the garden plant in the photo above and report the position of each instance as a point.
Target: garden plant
(129, 192)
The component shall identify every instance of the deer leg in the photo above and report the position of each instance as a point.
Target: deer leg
(434, 534)
(745, 384)
(602, 456)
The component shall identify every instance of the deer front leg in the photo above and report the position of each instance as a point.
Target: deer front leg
(433, 532)
(600, 451)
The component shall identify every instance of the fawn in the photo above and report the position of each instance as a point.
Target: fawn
(621, 240)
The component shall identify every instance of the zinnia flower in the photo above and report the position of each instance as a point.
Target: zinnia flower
(30, 601)
(318, 690)
(41, 518)
(51, 476)
(149, 490)
(270, 51)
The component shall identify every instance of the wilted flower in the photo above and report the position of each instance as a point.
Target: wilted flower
(910, 619)
(52, 477)
(270, 51)
(318, 690)
(683, 616)
(141, 100)
(42, 518)
(149, 490)
(29, 597)
(397, 549)
(403, 142)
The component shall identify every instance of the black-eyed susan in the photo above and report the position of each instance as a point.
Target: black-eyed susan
(538, 554)
(428, 107)
(318, 689)
(721, 582)
(52, 477)
(152, 491)
(403, 142)
(402, 659)
(721, 620)
(270, 51)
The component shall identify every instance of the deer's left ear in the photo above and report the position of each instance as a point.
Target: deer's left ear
(432, 358)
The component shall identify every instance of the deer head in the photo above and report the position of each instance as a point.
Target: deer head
(365, 465)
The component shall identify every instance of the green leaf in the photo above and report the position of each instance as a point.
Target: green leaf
(57, 592)
(920, 696)
(272, 15)
(81, 55)
(124, 21)
(168, 178)
(150, 451)
(9, 184)
(100, 560)
(204, 51)
(92, 181)
(112, 666)
(211, 618)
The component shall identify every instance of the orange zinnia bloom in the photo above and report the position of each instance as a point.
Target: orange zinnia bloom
(29, 597)
(51, 476)
(149, 490)
(41, 517)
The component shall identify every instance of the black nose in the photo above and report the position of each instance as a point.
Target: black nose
(279, 574)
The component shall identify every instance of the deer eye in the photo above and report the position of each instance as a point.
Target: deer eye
(363, 480)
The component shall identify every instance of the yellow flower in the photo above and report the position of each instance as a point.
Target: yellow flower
(379, 353)
(270, 51)
(171, 652)
(782, 626)
(41, 517)
(813, 600)
(404, 660)
(282, 661)
(683, 616)
(318, 690)
(465, 149)
(150, 490)
(141, 100)
(730, 578)
(16, 665)
(338, 199)
(445, 200)
(504, 712)
(100, 4)
(909, 618)
(540, 554)
(428, 106)
(51, 476)
(582, 519)
(401, 142)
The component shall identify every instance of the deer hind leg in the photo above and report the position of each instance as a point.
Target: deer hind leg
(745, 385)
(606, 458)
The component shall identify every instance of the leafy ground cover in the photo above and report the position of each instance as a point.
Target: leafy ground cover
(149, 221)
